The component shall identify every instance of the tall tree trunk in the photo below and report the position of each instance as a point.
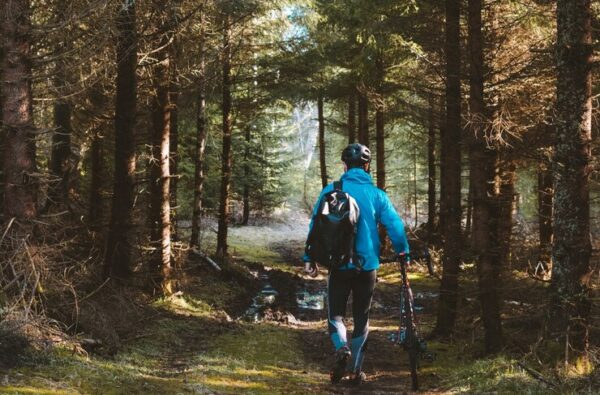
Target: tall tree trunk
(431, 178)
(246, 192)
(451, 174)
(200, 138)
(363, 119)
(322, 153)
(61, 145)
(160, 172)
(174, 136)
(469, 214)
(483, 164)
(118, 260)
(99, 104)
(352, 115)
(174, 93)
(545, 198)
(380, 123)
(571, 271)
(507, 206)
(227, 156)
(20, 185)
(96, 174)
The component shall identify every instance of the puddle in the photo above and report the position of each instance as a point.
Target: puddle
(265, 297)
(426, 295)
(311, 300)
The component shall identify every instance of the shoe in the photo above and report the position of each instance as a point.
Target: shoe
(358, 379)
(342, 356)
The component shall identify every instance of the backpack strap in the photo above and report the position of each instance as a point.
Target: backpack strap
(337, 185)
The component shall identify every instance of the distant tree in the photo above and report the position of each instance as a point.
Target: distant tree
(201, 134)
(322, 152)
(571, 271)
(227, 125)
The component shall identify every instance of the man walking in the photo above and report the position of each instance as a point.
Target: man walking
(360, 273)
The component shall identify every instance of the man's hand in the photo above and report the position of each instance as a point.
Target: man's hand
(404, 257)
(311, 269)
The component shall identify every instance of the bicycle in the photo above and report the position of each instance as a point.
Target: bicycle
(408, 335)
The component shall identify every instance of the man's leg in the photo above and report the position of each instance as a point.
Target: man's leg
(362, 294)
(338, 291)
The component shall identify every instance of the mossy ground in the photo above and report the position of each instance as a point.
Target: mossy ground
(191, 345)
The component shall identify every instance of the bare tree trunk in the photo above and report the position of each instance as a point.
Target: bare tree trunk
(118, 260)
(469, 215)
(61, 146)
(227, 156)
(174, 136)
(507, 207)
(545, 198)
(99, 104)
(20, 185)
(363, 119)
(246, 192)
(451, 174)
(571, 271)
(200, 139)
(352, 115)
(160, 172)
(322, 152)
(380, 124)
(431, 179)
(483, 162)
(97, 174)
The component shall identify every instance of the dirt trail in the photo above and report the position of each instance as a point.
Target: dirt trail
(386, 364)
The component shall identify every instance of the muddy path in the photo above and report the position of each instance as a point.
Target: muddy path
(386, 364)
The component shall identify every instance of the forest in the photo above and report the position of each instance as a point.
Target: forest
(160, 161)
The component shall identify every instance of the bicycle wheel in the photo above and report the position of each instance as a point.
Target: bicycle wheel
(412, 344)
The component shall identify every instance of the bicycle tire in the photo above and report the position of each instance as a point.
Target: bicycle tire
(412, 344)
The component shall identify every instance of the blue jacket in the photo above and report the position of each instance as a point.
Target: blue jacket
(375, 207)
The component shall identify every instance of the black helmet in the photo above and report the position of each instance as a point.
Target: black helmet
(356, 155)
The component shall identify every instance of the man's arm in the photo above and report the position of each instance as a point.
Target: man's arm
(393, 224)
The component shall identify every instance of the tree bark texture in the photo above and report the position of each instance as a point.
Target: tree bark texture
(452, 174)
(431, 173)
(227, 155)
(352, 115)
(483, 163)
(363, 119)
(20, 183)
(201, 132)
(571, 271)
(118, 260)
(322, 151)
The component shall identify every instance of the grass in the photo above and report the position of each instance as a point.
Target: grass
(189, 346)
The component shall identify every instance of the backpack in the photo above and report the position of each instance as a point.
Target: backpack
(330, 242)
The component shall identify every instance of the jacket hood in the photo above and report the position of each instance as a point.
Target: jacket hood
(357, 176)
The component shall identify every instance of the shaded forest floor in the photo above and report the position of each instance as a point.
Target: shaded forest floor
(201, 342)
